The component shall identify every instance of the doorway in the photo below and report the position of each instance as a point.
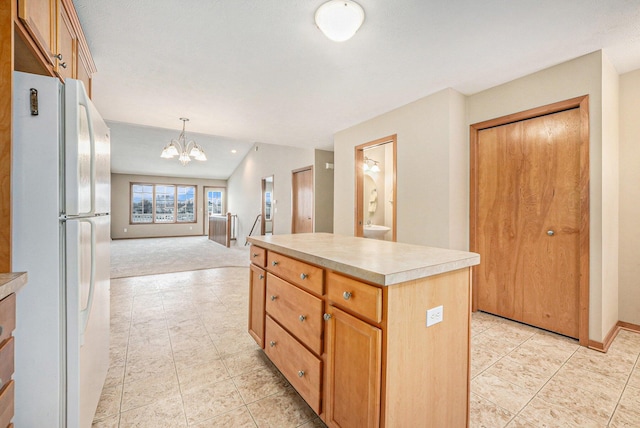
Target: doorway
(214, 204)
(530, 217)
(302, 200)
(267, 209)
(375, 213)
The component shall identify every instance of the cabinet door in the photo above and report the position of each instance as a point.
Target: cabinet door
(257, 288)
(67, 45)
(354, 360)
(39, 18)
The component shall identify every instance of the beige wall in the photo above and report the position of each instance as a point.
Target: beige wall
(610, 195)
(433, 165)
(629, 262)
(244, 186)
(323, 189)
(120, 206)
(431, 150)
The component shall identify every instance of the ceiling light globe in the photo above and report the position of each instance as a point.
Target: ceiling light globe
(339, 19)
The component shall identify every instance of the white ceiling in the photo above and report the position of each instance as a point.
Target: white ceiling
(260, 71)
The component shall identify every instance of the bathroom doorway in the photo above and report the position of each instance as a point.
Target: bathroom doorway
(376, 189)
(267, 211)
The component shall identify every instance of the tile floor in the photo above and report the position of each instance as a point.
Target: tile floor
(181, 356)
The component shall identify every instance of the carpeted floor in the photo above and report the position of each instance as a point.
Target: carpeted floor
(137, 257)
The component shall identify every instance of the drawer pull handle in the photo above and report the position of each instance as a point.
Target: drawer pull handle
(303, 276)
(272, 343)
(326, 317)
(346, 295)
(1, 330)
(255, 254)
(302, 318)
(274, 263)
(261, 276)
(301, 373)
(273, 298)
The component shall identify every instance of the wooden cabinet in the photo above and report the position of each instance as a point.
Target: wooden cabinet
(7, 325)
(67, 45)
(257, 283)
(39, 19)
(361, 354)
(301, 367)
(50, 41)
(354, 370)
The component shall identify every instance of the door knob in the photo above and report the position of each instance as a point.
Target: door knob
(550, 232)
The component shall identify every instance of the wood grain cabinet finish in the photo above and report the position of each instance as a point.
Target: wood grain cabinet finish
(353, 373)
(51, 41)
(355, 296)
(298, 311)
(257, 282)
(296, 272)
(7, 325)
(66, 64)
(258, 256)
(377, 364)
(39, 19)
(300, 366)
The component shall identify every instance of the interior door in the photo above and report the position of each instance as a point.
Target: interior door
(529, 220)
(302, 200)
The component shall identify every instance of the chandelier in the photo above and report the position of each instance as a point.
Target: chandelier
(185, 151)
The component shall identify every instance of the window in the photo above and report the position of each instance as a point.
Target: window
(162, 203)
(142, 203)
(215, 201)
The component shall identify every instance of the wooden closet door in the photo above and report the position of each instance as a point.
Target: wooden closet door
(302, 200)
(529, 221)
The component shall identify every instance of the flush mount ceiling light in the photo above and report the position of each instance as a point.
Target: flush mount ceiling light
(339, 19)
(185, 151)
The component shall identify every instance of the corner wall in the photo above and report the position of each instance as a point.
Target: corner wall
(244, 192)
(323, 192)
(629, 257)
(120, 206)
(431, 148)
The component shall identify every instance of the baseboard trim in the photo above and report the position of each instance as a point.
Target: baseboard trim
(608, 340)
(629, 326)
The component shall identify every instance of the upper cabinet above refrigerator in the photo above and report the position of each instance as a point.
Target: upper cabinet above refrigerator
(50, 41)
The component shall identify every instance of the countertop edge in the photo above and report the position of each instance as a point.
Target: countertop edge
(367, 275)
(11, 282)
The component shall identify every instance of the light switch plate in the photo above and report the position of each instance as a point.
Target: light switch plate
(434, 315)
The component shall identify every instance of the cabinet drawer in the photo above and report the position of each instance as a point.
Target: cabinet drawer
(7, 316)
(301, 368)
(296, 272)
(257, 255)
(6, 361)
(297, 311)
(6, 404)
(355, 296)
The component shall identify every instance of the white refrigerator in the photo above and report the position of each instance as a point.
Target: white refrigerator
(61, 237)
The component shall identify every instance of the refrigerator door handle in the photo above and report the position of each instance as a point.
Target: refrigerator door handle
(85, 312)
(84, 101)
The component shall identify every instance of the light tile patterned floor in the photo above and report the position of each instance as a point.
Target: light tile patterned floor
(181, 356)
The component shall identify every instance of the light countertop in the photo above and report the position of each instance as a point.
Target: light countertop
(376, 261)
(11, 282)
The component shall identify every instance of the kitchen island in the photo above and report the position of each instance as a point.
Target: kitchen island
(10, 284)
(370, 333)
